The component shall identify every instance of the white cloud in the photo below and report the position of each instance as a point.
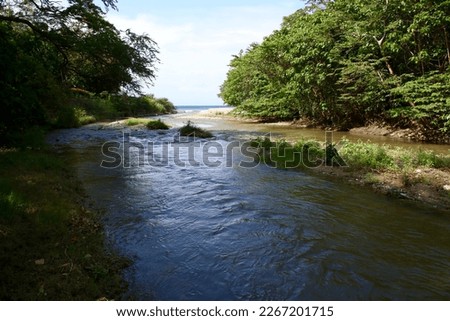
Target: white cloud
(195, 51)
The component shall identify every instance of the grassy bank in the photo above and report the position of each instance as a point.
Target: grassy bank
(51, 246)
(405, 173)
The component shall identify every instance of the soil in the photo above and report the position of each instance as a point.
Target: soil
(428, 185)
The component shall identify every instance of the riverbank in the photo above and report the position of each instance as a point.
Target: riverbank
(424, 185)
(421, 175)
(228, 232)
(52, 246)
(408, 173)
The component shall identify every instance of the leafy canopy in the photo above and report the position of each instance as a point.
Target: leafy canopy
(48, 47)
(345, 63)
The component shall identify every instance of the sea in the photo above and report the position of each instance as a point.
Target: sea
(190, 109)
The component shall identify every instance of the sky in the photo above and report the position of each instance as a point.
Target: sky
(197, 38)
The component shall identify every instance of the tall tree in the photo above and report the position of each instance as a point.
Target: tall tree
(92, 53)
(50, 46)
(345, 63)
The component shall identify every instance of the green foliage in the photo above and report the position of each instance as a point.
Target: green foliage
(85, 107)
(32, 137)
(425, 102)
(281, 154)
(50, 47)
(375, 156)
(345, 63)
(367, 155)
(191, 130)
(157, 125)
(147, 105)
(136, 122)
(356, 156)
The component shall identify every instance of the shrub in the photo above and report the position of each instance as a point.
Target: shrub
(83, 118)
(367, 155)
(157, 125)
(190, 130)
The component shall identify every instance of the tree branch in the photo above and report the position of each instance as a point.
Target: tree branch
(38, 31)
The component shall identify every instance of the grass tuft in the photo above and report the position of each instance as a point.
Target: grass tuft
(136, 121)
(191, 130)
(369, 155)
(157, 125)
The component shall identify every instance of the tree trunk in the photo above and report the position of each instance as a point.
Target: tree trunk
(380, 45)
(447, 43)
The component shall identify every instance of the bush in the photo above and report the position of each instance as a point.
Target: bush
(190, 130)
(281, 154)
(32, 137)
(83, 118)
(157, 125)
(367, 155)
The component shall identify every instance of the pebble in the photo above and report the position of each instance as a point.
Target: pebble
(447, 188)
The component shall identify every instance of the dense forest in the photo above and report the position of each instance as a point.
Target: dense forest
(347, 63)
(63, 64)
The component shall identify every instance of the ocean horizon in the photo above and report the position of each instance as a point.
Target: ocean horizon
(192, 108)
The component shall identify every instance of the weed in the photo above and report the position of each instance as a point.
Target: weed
(370, 178)
(136, 122)
(156, 125)
(362, 155)
(191, 130)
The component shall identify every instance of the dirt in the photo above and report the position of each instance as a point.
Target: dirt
(428, 185)
(414, 134)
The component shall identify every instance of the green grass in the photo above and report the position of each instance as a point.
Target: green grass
(191, 130)
(136, 122)
(150, 124)
(281, 154)
(366, 155)
(157, 125)
(375, 156)
(42, 217)
(357, 155)
(83, 118)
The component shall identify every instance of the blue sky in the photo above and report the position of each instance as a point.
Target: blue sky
(197, 38)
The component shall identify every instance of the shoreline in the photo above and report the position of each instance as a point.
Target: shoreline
(426, 186)
(419, 184)
(53, 245)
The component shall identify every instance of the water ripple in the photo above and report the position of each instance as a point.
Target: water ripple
(199, 233)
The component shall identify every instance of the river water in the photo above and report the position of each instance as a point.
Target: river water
(218, 231)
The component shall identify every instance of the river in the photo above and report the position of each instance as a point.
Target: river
(217, 230)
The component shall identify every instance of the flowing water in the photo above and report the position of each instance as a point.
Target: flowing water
(227, 232)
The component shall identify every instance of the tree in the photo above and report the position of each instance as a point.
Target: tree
(48, 47)
(345, 63)
(92, 53)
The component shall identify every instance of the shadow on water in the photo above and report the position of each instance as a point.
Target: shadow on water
(233, 233)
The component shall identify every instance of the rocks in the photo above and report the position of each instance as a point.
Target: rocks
(447, 188)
